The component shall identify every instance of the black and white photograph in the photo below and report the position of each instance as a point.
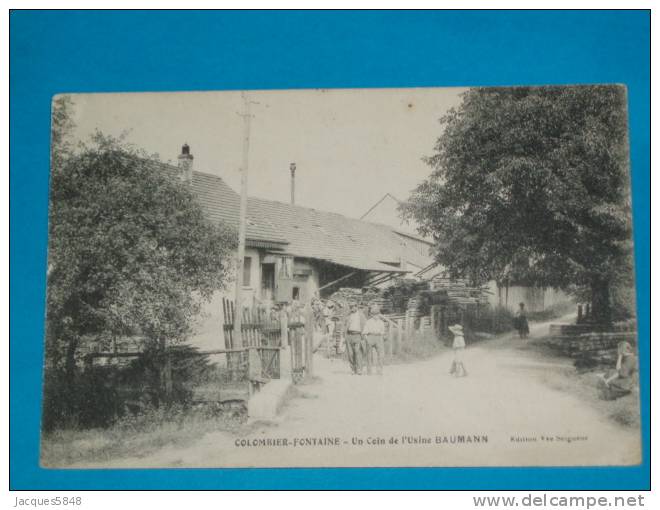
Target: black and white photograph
(393, 277)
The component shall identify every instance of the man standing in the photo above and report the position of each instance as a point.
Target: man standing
(354, 346)
(373, 333)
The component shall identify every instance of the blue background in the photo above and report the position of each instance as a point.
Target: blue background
(96, 51)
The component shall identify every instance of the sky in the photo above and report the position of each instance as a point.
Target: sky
(351, 147)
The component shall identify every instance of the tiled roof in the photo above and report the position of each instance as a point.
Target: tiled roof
(302, 231)
(329, 236)
(222, 204)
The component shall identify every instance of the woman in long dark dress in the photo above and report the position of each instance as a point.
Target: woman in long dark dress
(521, 322)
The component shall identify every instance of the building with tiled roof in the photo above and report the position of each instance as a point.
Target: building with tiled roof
(295, 252)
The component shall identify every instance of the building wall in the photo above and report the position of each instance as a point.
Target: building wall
(209, 328)
(208, 332)
(253, 290)
(421, 247)
(536, 299)
(387, 213)
(309, 283)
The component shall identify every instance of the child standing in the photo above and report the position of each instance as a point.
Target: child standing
(457, 367)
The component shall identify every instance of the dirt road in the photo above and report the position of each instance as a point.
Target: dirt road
(416, 414)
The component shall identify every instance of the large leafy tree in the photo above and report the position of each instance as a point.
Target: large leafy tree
(130, 252)
(532, 185)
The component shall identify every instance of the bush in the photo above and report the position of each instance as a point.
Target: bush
(552, 312)
(103, 394)
(495, 320)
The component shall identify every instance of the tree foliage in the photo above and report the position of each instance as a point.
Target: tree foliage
(532, 185)
(130, 252)
(62, 126)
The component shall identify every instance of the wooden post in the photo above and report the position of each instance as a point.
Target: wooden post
(293, 362)
(238, 334)
(286, 353)
(168, 376)
(309, 340)
(390, 339)
(255, 370)
(579, 316)
(434, 321)
(166, 373)
(409, 327)
(399, 340)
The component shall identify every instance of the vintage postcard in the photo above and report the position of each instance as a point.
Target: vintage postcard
(341, 278)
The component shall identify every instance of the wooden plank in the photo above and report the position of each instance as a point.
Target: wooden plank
(226, 325)
(390, 340)
(133, 354)
(408, 327)
(168, 377)
(434, 320)
(336, 281)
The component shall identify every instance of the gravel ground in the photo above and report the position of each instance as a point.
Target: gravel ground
(519, 406)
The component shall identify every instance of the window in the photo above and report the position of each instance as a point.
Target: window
(286, 268)
(247, 266)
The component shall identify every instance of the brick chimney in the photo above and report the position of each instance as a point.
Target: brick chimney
(186, 164)
(292, 167)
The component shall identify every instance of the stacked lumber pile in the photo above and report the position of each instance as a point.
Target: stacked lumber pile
(400, 294)
(364, 298)
(417, 307)
(382, 303)
(458, 290)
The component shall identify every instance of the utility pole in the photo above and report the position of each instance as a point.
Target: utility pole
(238, 304)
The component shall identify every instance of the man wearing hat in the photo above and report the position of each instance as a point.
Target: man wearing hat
(354, 345)
(373, 333)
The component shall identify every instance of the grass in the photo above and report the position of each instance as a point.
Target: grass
(145, 433)
(624, 411)
(423, 346)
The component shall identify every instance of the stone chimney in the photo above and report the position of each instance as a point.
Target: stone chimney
(186, 164)
(292, 167)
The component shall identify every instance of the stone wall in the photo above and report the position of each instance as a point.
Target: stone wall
(592, 345)
(585, 343)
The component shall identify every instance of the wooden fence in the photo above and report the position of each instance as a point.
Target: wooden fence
(401, 329)
(258, 327)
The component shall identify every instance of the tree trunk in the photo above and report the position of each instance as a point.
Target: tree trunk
(601, 311)
(70, 376)
(165, 363)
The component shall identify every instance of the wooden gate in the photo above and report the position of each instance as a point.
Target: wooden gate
(259, 331)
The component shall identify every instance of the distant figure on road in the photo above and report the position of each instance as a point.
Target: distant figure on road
(621, 381)
(373, 333)
(354, 343)
(521, 323)
(457, 367)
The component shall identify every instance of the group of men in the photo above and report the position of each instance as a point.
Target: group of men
(364, 340)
